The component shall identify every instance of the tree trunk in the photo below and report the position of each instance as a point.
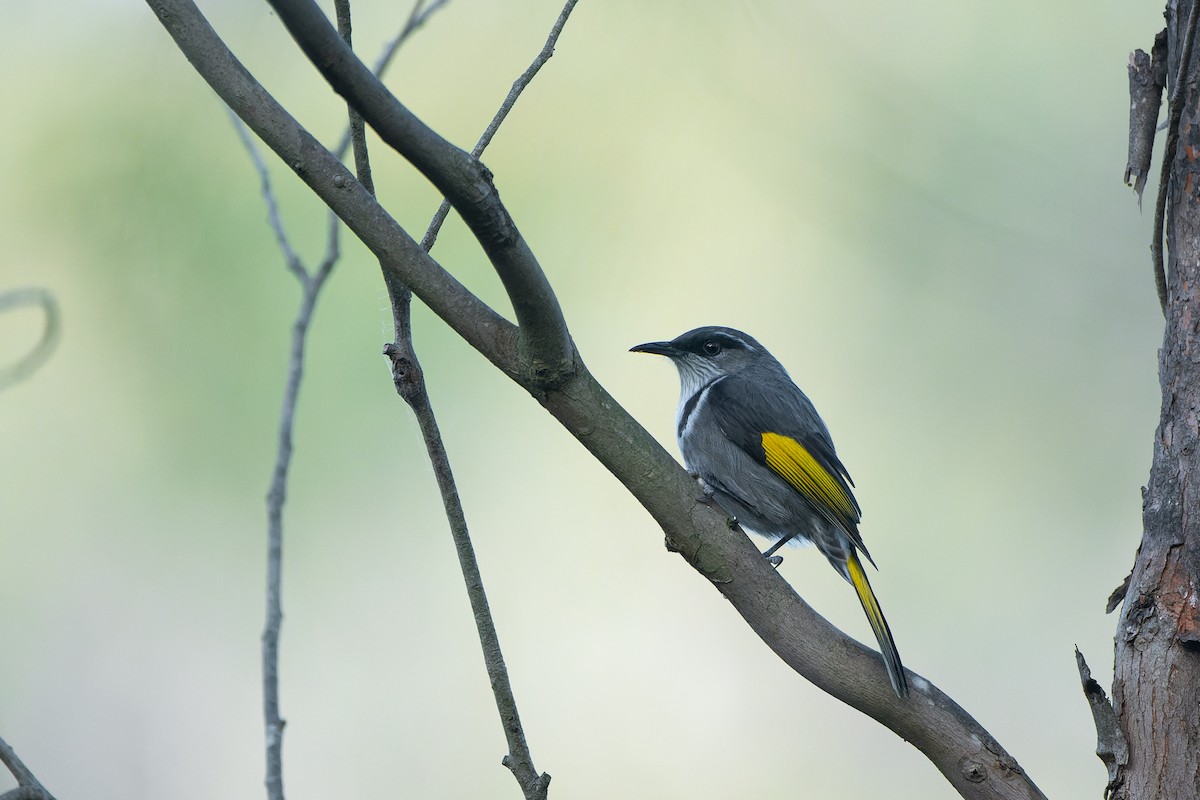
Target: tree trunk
(1156, 690)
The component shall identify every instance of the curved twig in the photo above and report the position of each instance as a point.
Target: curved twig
(547, 51)
(483, 328)
(546, 349)
(31, 361)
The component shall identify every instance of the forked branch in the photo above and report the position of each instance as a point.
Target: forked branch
(970, 758)
(409, 379)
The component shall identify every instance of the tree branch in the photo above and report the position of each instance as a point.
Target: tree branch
(290, 258)
(311, 284)
(417, 17)
(31, 296)
(430, 237)
(970, 758)
(486, 331)
(1111, 747)
(1174, 114)
(545, 346)
(1156, 676)
(26, 793)
(28, 786)
(410, 384)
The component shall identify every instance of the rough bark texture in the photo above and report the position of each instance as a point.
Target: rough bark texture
(1156, 687)
(1147, 77)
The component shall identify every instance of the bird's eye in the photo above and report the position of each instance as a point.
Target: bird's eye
(711, 348)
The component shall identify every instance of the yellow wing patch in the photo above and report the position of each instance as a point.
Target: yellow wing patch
(796, 465)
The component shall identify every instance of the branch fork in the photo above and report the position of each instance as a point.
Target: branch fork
(537, 352)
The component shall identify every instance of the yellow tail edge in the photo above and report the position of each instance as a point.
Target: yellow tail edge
(883, 634)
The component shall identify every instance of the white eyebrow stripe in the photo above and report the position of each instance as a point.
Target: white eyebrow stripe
(731, 338)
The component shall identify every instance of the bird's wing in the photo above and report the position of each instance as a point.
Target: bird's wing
(785, 435)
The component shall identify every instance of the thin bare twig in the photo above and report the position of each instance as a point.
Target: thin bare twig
(311, 283)
(474, 320)
(290, 258)
(544, 347)
(417, 17)
(276, 497)
(356, 130)
(28, 786)
(29, 363)
(519, 759)
(430, 237)
(410, 384)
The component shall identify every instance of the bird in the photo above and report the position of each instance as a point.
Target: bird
(760, 450)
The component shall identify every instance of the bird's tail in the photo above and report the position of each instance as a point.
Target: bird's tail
(883, 634)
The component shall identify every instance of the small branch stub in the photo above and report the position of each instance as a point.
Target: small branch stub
(1147, 77)
(539, 789)
(1144, 100)
(974, 771)
(406, 372)
(1111, 746)
(28, 786)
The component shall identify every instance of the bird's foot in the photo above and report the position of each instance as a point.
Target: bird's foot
(706, 497)
(770, 551)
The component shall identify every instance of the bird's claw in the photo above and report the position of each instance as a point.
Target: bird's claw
(706, 497)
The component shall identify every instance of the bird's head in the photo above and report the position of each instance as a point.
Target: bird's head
(710, 352)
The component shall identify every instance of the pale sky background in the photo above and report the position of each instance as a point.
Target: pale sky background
(917, 207)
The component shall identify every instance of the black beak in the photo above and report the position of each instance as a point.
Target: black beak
(657, 348)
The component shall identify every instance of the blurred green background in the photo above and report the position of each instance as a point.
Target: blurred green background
(917, 207)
